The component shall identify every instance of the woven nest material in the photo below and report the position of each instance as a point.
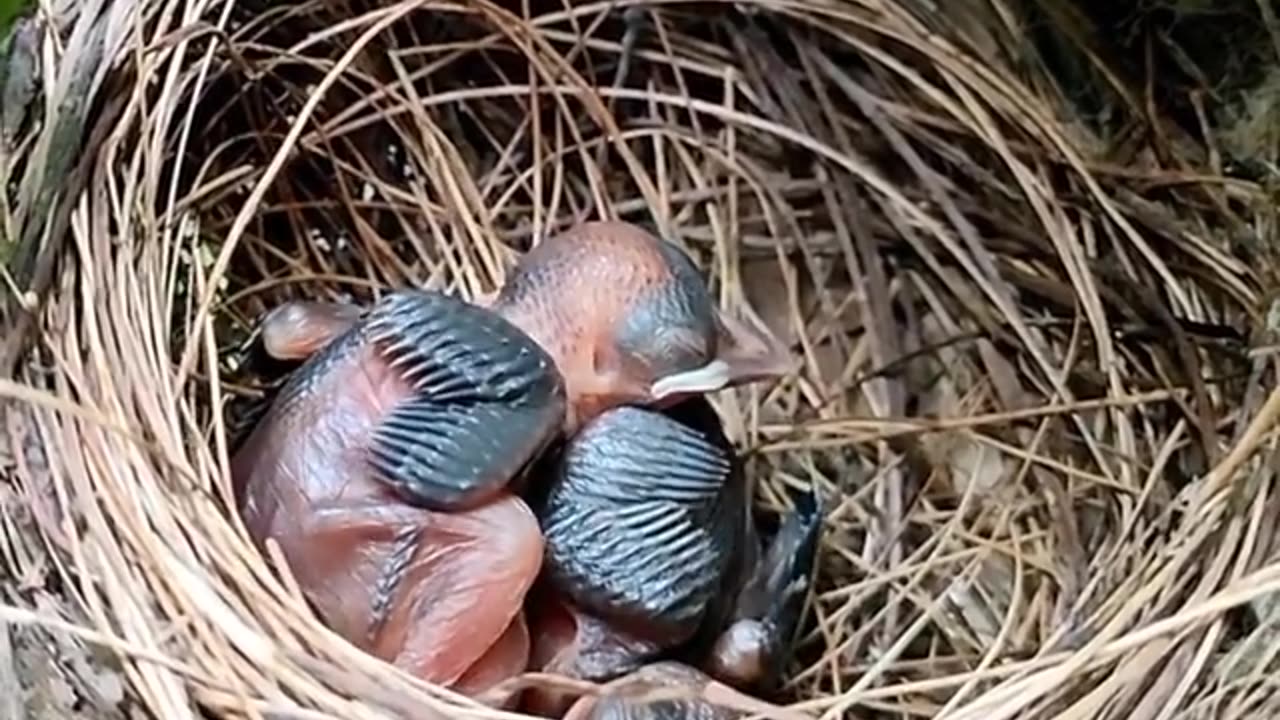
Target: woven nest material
(1025, 385)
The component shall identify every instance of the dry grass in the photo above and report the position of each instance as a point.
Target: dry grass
(1027, 380)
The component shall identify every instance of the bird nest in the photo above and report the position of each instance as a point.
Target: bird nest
(1024, 381)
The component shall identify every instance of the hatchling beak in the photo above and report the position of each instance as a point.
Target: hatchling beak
(744, 354)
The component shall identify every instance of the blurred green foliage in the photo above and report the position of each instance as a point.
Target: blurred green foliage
(9, 11)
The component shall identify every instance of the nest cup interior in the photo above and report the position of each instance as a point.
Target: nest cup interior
(987, 396)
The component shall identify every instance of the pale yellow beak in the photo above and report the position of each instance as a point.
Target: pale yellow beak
(744, 354)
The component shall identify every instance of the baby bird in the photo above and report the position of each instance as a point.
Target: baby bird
(652, 553)
(382, 470)
(747, 655)
(387, 466)
(629, 320)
